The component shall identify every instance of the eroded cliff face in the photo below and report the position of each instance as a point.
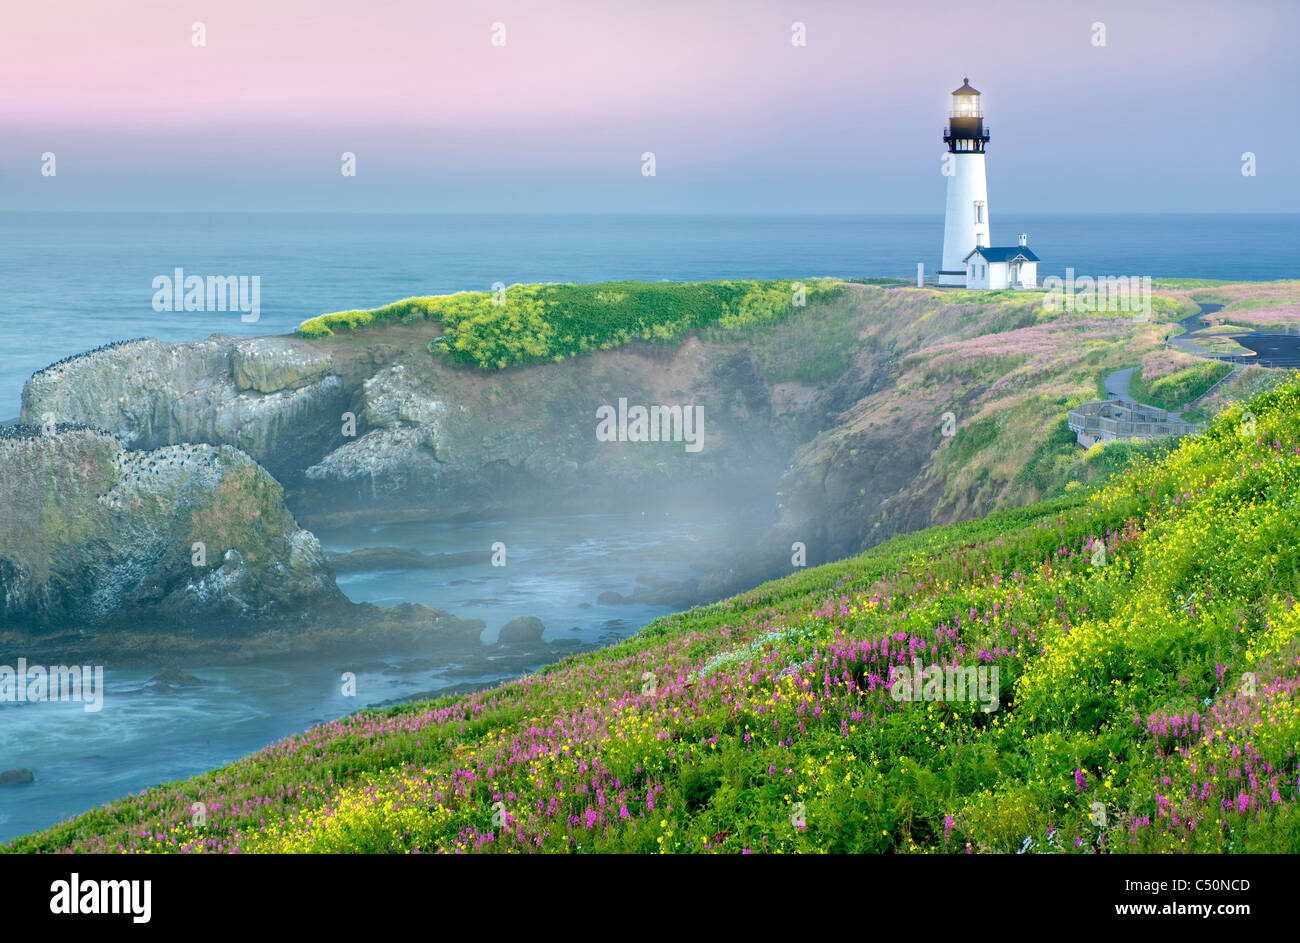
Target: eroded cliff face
(831, 419)
(97, 537)
(968, 417)
(267, 397)
(436, 441)
(360, 427)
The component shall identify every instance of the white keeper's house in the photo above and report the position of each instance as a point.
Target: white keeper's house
(997, 267)
(969, 260)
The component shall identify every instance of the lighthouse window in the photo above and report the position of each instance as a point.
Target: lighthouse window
(979, 211)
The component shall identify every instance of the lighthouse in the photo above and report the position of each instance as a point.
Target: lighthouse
(966, 219)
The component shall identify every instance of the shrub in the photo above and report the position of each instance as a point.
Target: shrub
(1178, 388)
(536, 323)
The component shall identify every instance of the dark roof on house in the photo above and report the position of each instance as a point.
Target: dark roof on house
(965, 88)
(1003, 253)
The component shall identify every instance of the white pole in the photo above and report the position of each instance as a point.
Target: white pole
(920, 274)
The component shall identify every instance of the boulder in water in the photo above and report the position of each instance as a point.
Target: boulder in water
(526, 630)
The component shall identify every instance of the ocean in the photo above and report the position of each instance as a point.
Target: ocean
(144, 736)
(71, 281)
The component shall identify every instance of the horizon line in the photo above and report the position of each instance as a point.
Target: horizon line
(660, 215)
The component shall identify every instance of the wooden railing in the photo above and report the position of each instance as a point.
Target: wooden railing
(1135, 421)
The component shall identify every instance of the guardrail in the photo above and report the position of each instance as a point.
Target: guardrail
(949, 136)
(1104, 420)
(1217, 383)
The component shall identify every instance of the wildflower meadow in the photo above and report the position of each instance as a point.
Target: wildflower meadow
(1148, 652)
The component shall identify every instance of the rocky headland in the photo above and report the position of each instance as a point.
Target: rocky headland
(868, 414)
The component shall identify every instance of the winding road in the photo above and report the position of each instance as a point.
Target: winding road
(1271, 350)
(1191, 326)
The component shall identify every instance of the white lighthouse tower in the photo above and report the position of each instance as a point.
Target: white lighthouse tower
(966, 221)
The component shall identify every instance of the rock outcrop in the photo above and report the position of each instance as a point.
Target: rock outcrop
(184, 553)
(525, 630)
(405, 419)
(98, 536)
(268, 397)
(380, 433)
(17, 777)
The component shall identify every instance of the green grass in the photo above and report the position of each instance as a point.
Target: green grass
(1102, 303)
(1058, 466)
(1188, 283)
(1145, 632)
(1225, 329)
(981, 296)
(1218, 344)
(1178, 389)
(536, 323)
(812, 350)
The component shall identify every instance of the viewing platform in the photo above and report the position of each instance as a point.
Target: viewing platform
(1107, 420)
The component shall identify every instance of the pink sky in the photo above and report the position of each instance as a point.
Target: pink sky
(404, 62)
(713, 86)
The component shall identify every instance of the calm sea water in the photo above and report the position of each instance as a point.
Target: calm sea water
(72, 281)
(69, 281)
(558, 569)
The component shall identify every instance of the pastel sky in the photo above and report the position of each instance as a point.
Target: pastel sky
(739, 118)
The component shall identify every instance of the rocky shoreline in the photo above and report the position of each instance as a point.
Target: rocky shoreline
(158, 487)
(104, 558)
(385, 434)
(409, 630)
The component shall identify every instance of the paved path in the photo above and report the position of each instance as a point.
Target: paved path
(1271, 350)
(1117, 388)
(1117, 383)
(1191, 325)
